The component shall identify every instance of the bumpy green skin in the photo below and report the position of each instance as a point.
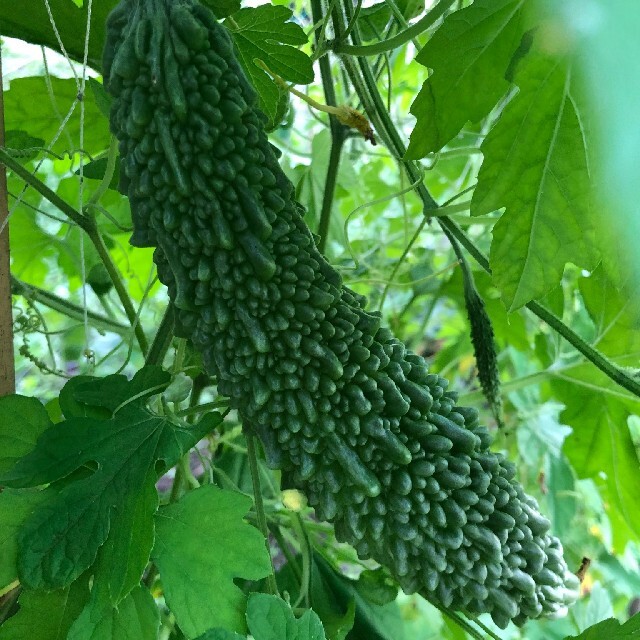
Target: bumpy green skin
(354, 419)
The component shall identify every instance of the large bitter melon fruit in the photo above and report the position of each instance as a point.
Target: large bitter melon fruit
(355, 420)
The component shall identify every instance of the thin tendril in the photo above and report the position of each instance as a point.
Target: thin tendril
(411, 187)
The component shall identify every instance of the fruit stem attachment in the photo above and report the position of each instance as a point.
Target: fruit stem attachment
(346, 115)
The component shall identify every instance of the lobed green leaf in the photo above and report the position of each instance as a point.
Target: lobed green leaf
(469, 54)
(271, 618)
(193, 572)
(535, 165)
(104, 470)
(135, 618)
(265, 35)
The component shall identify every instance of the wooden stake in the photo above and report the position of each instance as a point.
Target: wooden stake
(7, 363)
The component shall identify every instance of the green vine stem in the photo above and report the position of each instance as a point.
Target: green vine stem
(274, 529)
(404, 36)
(90, 227)
(112, 156)
(162, 339)
(96, 238)
(338, 137)
(69, 309)
(352, 20)
(260, 514)
(7, 362)
(363, 80)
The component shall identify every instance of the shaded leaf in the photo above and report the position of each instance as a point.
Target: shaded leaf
(32, 23)
(15, 508)
(332, 594)
(223, 8)
(22, 421)
(376, 587)
(372, 20)
(21, 145)
(193, 572)
(102, 98)
(469, 55)
(96, 170)
(47, 615)
(535, 165)
(62, 537)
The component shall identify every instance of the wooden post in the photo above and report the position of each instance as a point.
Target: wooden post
(7, 364)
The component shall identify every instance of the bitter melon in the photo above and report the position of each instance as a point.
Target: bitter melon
(354, 419)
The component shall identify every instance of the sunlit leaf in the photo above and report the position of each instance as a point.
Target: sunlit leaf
(469, 55)
(535, 165)
(264, 35)
(193, 572)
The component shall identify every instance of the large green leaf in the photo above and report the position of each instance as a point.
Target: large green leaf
(32, 249)
(265, 35)
(47, 615)
(598, 410)
(469, 55)
(609, 51)
(112, 506)
(30, 21)
(535, 165)
(202, 544)
(560, 504)
(39, 106)
(223, 8)
(376, 616)
(135, 618)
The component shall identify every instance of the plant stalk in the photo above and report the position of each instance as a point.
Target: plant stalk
(338, 137)
(260, 514)
(69, 309)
